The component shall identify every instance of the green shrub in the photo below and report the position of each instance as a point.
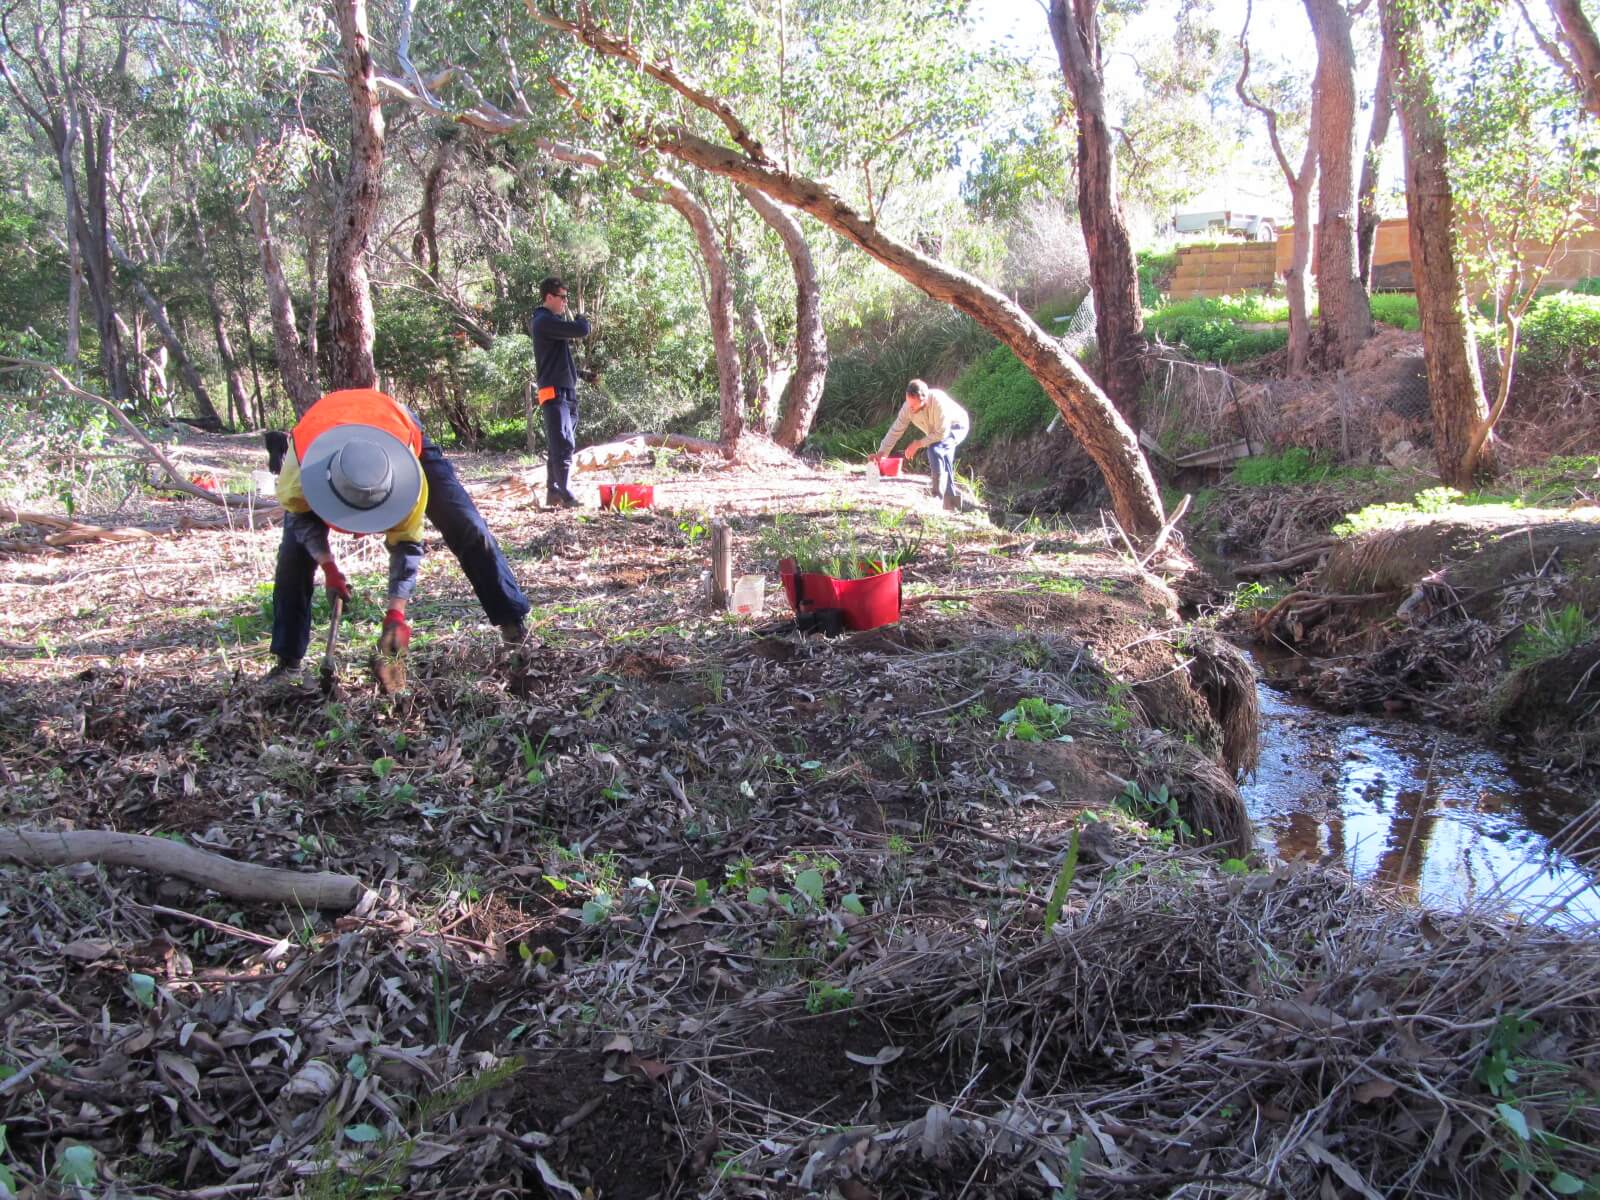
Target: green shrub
(1562, 331)
(1294, 465)
(1588, 287)
(1155, 272)
(1004, 399)
(510, 433)
(1551, 636)
(1396, 308)
(1208, 326)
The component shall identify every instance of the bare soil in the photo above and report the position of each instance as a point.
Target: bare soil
(673, 903)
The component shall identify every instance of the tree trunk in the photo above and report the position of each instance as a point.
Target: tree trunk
(719, 302)
(238, 402)
(74, 291)
(169, 336)
(811, 340)
(350, 319)
(1088, 413)
(300, 387)
(94, 246)
(1367, 193)
(1300, 182)
(1113, 274)
(1346, 312)
(1455, 387)
(1296, 278)
(1578, 33)
(425, 245)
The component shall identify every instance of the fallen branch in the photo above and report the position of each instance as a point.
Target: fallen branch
(72, 532)
(1298, 557)
(226, 876)
(638, 447)
(179, 482)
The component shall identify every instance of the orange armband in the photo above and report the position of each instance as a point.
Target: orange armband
(546, 394)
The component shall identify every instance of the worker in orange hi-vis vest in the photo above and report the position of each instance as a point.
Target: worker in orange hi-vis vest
(553, 334)
(358, 462)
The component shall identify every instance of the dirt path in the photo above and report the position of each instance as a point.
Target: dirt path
(672, 905)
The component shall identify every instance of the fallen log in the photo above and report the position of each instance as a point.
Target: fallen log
(226, 876)
(1300, 556)
(637, 447)
(71, 532)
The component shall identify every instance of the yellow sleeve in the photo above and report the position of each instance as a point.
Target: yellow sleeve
(410, 529)
(288, 488)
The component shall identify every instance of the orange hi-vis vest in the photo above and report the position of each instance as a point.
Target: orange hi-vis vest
(356, 406)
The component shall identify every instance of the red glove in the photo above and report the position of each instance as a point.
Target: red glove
(396, 635)
(333, 579)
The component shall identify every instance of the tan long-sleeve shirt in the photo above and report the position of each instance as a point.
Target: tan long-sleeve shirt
(937, 416)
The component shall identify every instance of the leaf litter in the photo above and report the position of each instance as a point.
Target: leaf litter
(675, 904)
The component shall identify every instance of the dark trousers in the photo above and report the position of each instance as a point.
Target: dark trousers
(942, 461)
(561, 439)
(452, 512)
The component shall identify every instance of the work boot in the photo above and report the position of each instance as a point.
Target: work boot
(554, 499)
(284, 666)
(514, 634)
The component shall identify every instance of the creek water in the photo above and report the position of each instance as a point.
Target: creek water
(1433, 817)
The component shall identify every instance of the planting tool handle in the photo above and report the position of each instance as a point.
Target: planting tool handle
(333, 631)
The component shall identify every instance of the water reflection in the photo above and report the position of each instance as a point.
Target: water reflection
(1437, 818)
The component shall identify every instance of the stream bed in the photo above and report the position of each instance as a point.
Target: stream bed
(1434, 817)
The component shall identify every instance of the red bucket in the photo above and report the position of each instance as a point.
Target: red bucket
(639, 495)
(866, 603)
(889, 467)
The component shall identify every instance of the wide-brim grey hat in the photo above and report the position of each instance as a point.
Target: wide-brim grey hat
(360, 479)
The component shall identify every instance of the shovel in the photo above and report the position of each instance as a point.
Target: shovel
(330, 667)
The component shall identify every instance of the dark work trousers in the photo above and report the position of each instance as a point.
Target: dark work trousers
(942, 463)
(450, 511)
(561, 439)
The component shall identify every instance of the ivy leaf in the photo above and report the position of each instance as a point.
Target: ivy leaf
(77, 1165)
(1566, 1185)
(357, 1066)
(809, 884)
(143, 988)
(852, 904)
(363, 1133)
(1515, 1121)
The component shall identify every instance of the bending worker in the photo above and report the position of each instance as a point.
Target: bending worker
(358, 462)
(945, 423)
(553, 334)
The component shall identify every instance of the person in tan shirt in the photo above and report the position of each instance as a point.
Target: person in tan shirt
(945, 425)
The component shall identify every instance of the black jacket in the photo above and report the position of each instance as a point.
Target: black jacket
(552, 347)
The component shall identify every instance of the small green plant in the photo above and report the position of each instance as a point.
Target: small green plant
(1035, 719)
(1158, 809)
(691, 529)
(1551, 636)
(1058, 894)
(827, 997)
(1294, 465)
(1250, 596)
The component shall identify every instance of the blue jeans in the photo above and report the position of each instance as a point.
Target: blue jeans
(942, 461)
(452, 512)
(561, 439)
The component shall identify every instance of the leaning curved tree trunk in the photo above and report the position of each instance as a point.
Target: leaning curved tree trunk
(1455, 387)
(1577, 32)
(169, 336)
(1085, 409)
(350, 319)
(1346, 311)
(811, 340)
(1113, 274)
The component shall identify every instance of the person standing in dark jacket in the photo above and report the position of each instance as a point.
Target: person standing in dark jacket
(553, 335)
